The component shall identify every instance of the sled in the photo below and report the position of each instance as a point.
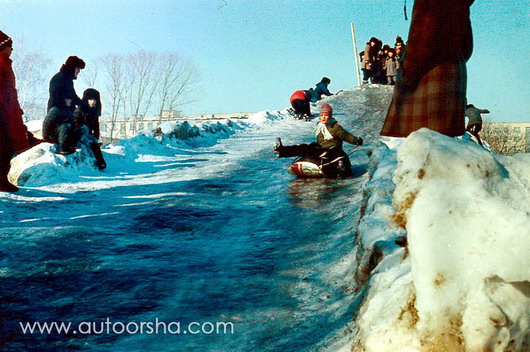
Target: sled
(311, 167)
(304, 167)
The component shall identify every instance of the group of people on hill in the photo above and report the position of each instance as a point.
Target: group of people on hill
(301, 99)
(70, 120)
(380, 63)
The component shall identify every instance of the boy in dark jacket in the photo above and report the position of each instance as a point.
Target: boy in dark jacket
(62, 84)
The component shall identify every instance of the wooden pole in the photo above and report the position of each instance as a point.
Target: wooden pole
(356, 58)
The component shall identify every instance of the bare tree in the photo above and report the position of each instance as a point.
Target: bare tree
(30, 69)
(114, 71)
(142, 70)
(178, 77)
(145, 83)
(90, 74)
(502, 138)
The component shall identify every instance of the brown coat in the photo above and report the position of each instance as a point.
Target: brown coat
(366, 57)
(339, 135)
(432, 91)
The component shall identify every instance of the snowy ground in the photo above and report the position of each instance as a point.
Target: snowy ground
(203, 224)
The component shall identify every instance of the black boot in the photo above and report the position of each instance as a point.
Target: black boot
(96, 150)
(5, 185)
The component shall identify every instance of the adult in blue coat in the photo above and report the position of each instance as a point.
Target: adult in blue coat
(62, 84)
(321, 89)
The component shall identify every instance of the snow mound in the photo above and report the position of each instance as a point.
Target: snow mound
(40, 166)
(465, 283)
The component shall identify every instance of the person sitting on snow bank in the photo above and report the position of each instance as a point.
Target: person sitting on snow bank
(330, 136)
(89, 111)
(86, 118)
(62, 83)
(60, 128)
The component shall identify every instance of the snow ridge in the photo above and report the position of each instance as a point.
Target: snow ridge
(462, 283)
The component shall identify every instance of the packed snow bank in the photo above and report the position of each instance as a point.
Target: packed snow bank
(40, 166)
(464, 284)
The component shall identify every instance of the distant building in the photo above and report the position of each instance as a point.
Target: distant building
(122, 128)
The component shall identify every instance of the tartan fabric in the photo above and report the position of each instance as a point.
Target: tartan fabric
(431, 91)
(437, 103)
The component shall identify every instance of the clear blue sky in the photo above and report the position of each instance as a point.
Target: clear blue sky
(253, 54)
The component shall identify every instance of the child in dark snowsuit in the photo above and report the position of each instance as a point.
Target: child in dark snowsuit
(86, 117)
(321, 89)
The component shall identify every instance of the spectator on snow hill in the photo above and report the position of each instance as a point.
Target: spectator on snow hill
(62, 83)
(474, 125)
(368, 58)
(330, 136)
(13, 133)
(321, 89)
(390, 65)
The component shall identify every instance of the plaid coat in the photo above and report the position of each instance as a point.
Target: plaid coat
(431, 92)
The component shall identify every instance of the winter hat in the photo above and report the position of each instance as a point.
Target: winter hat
(326, 108)
(5, 41)
(73, 62)
(325, 80)
(91, 93)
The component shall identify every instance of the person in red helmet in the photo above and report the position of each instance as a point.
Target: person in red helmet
(300, 101)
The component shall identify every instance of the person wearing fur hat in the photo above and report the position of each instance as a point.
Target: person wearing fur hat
(13, 132)
(89, 111)
(62, 83)
(330, 137)
(86, 117)
(321, 89)
(368, 58)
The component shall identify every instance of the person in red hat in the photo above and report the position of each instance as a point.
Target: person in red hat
(13, 132)
(330, 137)
(62, 83)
